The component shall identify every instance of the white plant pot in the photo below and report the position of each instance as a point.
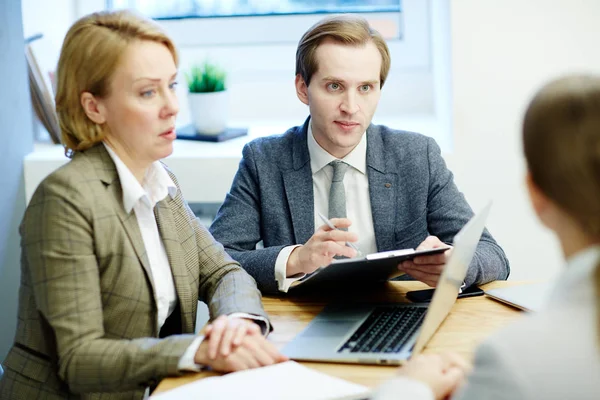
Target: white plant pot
(209, 111)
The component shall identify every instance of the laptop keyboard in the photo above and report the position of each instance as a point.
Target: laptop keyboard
(386, 330)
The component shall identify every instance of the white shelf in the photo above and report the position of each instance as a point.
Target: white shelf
(205, 170)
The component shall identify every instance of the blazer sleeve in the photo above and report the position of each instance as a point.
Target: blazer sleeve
(401, 387)
(223, 285)
(59, 257)
(492, 379)
(448, 211)
(238, 225)
(494, 376)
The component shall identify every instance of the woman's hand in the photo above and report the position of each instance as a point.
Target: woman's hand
(443, 373)
(234, 344)
(226, 333)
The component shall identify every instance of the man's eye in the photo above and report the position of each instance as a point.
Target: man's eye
(365, 88)
(334, 86)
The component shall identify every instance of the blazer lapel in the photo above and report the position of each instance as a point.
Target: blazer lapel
(170, 236)
(383, 190)
(299, 188)
(104, 168)
(132, 228)
(299, 192)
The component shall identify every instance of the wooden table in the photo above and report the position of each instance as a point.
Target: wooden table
(470, 321)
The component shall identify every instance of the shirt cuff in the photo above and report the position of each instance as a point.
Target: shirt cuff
(265, 327)
(186, 362)
(283, 282)
(404, 387)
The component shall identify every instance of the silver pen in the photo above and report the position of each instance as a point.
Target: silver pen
(332, 226)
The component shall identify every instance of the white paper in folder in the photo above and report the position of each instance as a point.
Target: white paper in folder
(288, 380)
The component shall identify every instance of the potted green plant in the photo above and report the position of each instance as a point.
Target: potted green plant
(208, 99)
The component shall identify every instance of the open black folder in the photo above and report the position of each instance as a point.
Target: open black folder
(375, 267)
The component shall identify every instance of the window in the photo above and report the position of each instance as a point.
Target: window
(262, 25)
(160, 9)
(255, 41)
(254, 22)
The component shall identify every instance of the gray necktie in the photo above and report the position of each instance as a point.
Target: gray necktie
(337, 195)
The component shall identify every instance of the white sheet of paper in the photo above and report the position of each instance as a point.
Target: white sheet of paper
(288, 380)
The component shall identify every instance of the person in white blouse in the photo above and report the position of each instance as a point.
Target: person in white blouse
(555, 353)
(113, 260)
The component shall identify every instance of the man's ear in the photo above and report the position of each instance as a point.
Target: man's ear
(92, 108)
(301, 89)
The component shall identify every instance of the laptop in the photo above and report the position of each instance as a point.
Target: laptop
(387, 333)
(527, 297)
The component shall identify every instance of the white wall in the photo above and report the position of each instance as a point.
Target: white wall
(502, 51)
(52, 19)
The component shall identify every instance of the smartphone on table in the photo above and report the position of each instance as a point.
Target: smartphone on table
(425, 295)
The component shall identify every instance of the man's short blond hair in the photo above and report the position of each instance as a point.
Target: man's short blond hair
(344, 29)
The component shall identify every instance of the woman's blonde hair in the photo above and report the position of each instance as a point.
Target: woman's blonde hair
(88, 59)
(561, 138)
(344, 29)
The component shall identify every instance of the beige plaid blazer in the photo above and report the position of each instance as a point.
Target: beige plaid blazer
(87, 320)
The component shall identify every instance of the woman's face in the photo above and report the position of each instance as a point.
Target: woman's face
(141, 104)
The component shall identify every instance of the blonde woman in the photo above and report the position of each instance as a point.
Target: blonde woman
(554, 354)
(113, 260)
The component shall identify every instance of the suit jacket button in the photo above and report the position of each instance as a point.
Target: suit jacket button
(388, 185)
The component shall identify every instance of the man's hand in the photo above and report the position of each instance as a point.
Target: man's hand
(443, 373)
(321, 248)
(427, 269)
(234, 344)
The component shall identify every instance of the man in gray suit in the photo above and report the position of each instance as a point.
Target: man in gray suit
(390, 188)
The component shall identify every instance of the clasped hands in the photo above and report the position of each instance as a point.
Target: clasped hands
(326, 243)
(234, 344)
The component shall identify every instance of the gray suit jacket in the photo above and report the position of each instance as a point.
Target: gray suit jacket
(412, 195)
(87, 325)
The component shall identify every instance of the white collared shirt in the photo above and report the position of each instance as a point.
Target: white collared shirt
(358, 201)
(142, 200)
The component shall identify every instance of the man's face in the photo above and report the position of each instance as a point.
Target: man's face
(343, 94)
